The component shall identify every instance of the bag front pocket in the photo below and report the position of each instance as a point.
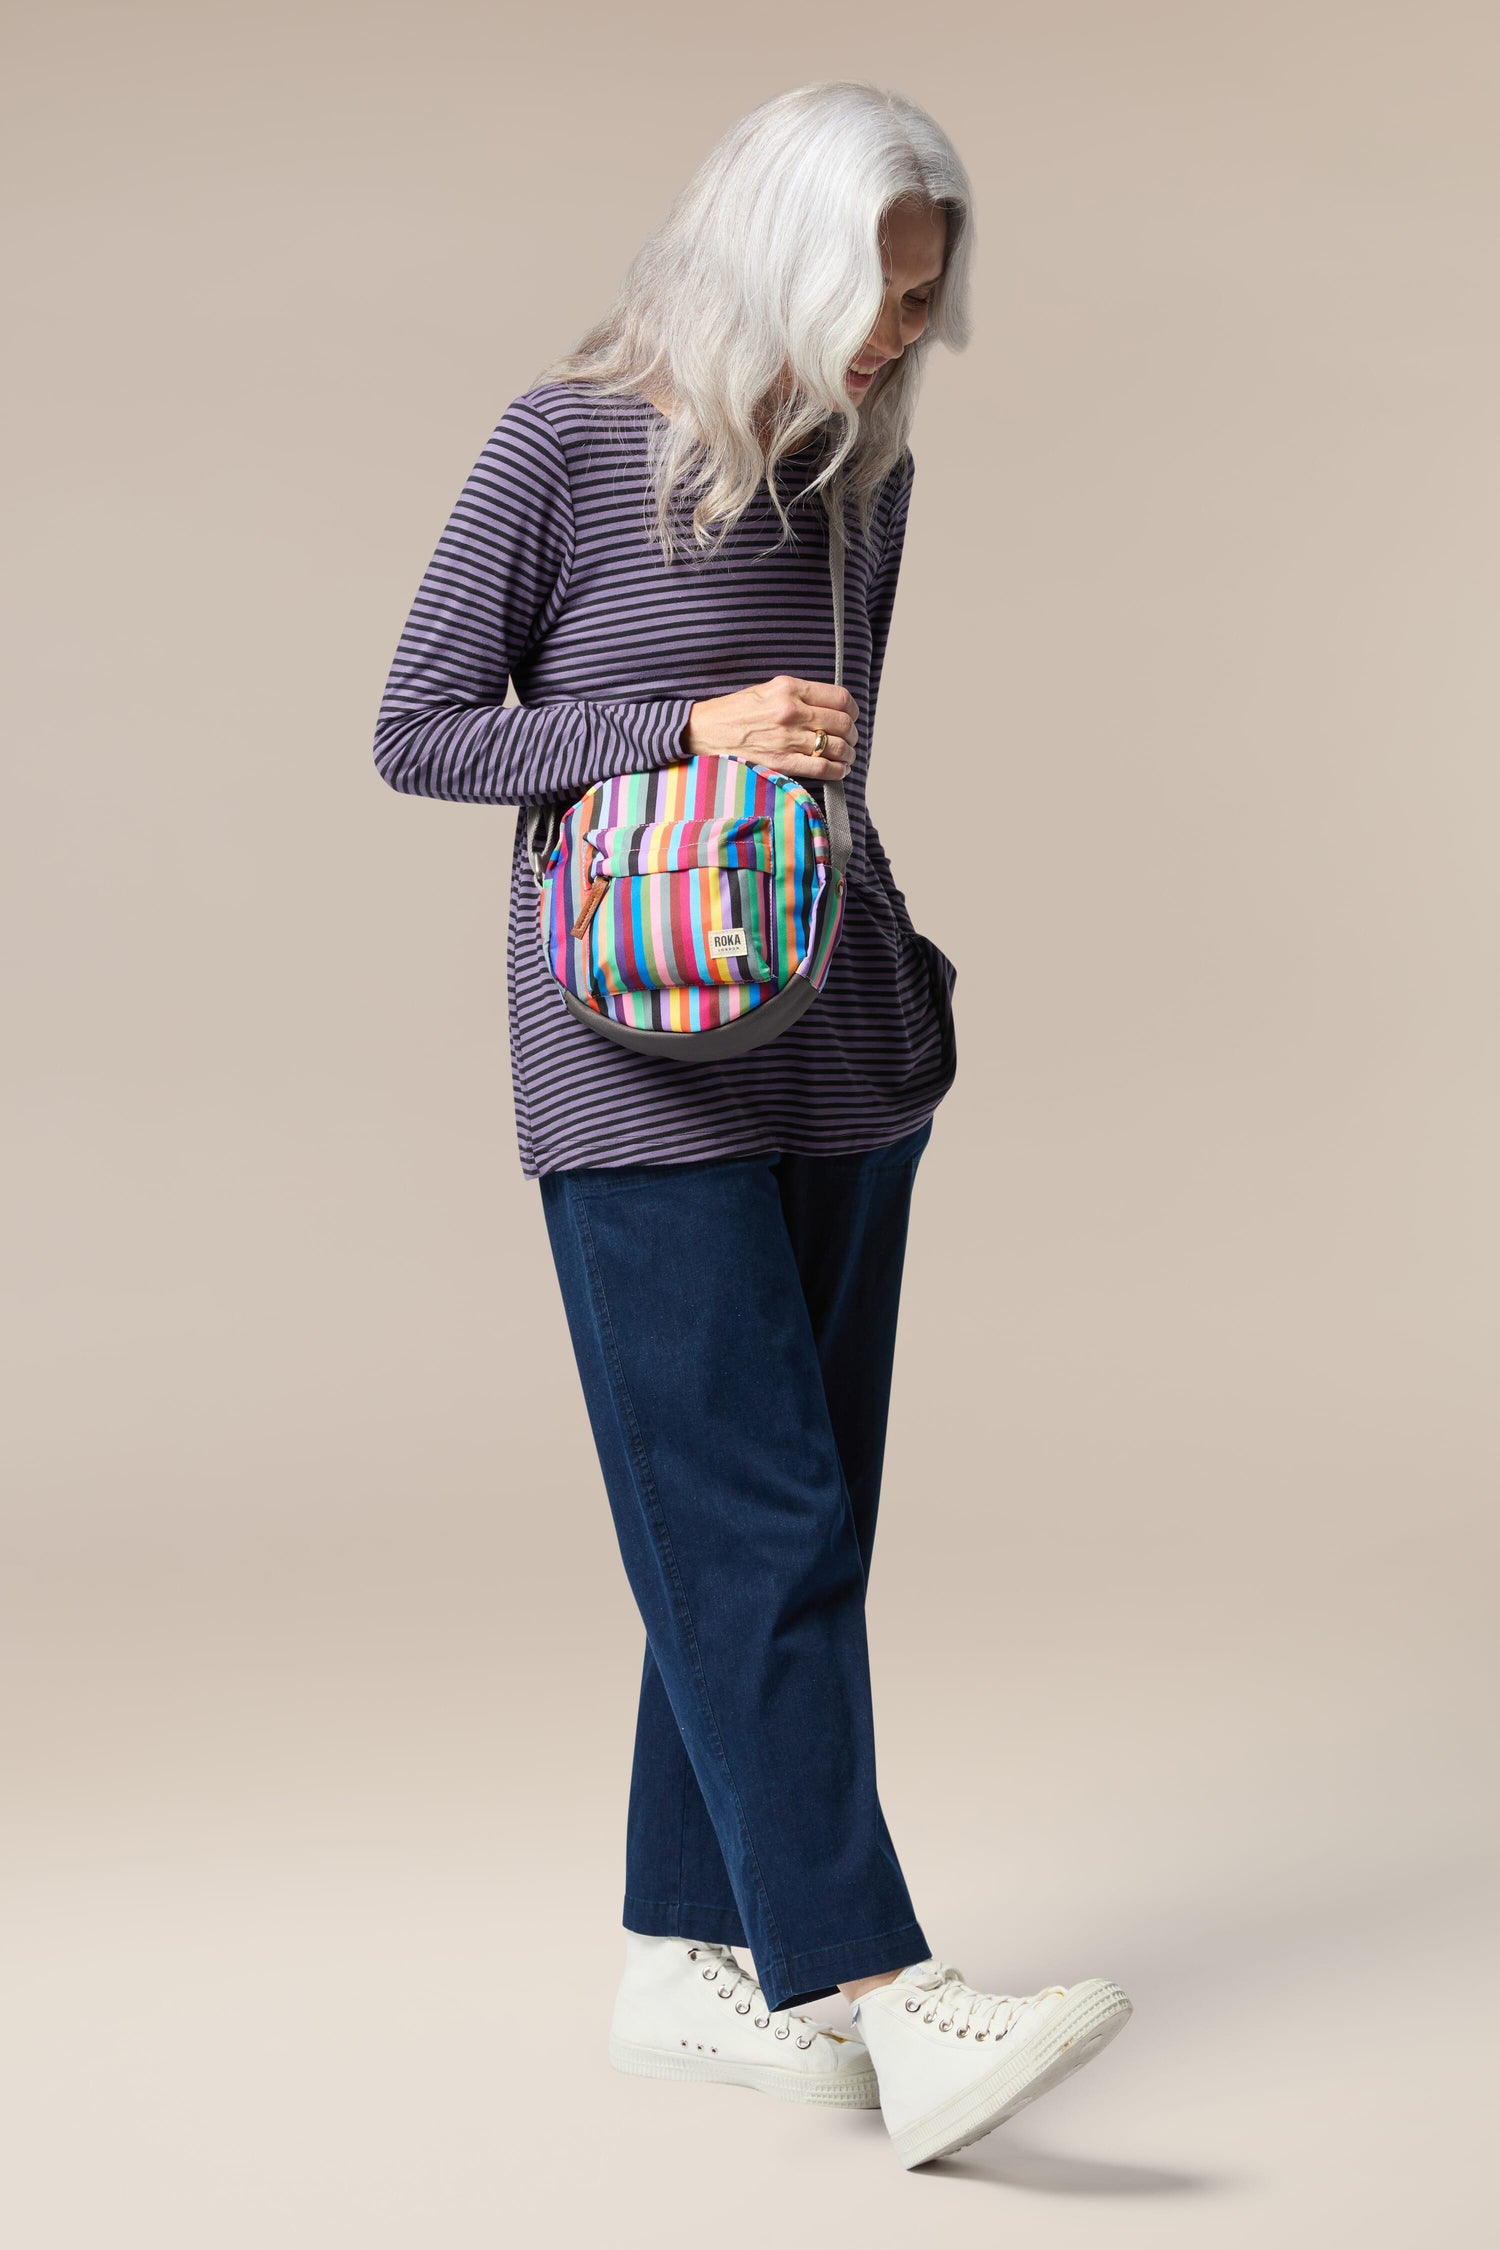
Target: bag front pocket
(699, 925)
(673, 903)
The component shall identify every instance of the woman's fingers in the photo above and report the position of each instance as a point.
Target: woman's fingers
(831, 763)
(836, 749)
(792, 718)
(830, 711)
(834, 738)
(793, 700)
(832, 704)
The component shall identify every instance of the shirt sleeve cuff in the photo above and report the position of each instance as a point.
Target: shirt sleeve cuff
(657, 741)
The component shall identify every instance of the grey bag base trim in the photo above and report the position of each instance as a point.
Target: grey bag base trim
(734, 1038)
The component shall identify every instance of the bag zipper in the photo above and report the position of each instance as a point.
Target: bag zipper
(590, 906)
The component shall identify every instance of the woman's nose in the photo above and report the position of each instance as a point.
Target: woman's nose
(887, 335)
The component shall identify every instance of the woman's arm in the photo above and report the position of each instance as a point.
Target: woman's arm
(494, 584)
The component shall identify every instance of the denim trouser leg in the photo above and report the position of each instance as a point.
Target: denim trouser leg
(847, 1218)
(738, 1387)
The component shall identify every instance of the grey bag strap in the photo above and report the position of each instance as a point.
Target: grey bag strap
(840, 842)
(543, 821)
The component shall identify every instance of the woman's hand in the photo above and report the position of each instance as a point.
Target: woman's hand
(776, 724)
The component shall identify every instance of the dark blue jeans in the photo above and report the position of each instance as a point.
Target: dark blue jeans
(734, 1323)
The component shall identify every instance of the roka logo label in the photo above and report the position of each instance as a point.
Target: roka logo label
(728, 941)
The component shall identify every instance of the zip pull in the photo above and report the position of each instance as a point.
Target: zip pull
(590, 906)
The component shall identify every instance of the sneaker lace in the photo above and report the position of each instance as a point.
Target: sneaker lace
(738, 1985)
(957, 2006)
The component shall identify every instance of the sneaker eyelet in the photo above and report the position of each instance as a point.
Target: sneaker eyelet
(783, 2031)
(709, 1974)
(742, 2007)
(948, 2026)
(726, 1992)
(980, 2035)
(761, 2022)
(929, 2016)
(912, 2006)
(804, 2042)
(692, 1952)
(963, 2031)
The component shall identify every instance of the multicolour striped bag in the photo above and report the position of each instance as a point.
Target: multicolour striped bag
(693, 911)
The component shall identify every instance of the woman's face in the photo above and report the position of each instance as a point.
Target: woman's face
(913, 243)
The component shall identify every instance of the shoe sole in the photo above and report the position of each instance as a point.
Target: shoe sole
(849, 2090)
(1091, 2014)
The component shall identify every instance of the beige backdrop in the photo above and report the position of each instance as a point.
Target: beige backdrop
(321, 1663)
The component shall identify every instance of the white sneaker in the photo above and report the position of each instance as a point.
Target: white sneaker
(954, 2063)
(688, 2010)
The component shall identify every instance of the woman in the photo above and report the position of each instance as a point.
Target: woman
(642, 548)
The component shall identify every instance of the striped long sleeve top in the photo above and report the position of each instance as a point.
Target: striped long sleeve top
(544, 576)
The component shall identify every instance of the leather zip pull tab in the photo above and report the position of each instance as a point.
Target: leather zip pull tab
(590, 906)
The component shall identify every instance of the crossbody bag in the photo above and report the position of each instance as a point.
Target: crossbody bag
(692, 912)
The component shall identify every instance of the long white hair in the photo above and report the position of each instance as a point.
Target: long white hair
(769, 260)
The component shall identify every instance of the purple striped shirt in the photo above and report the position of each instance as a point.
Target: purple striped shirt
(544, 576)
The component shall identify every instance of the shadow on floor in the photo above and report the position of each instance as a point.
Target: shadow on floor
(998, 2162)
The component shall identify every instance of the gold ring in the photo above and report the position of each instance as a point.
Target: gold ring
(820, 747)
